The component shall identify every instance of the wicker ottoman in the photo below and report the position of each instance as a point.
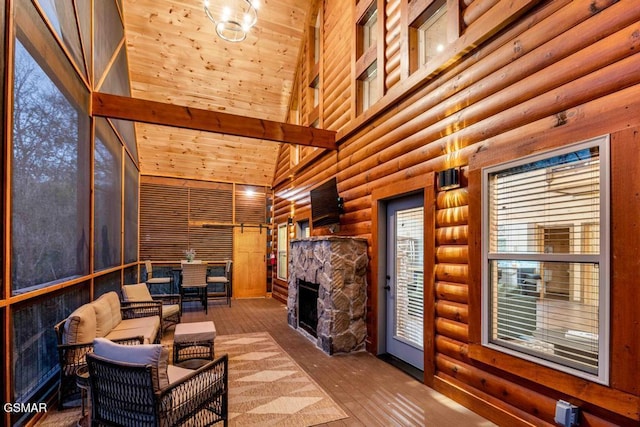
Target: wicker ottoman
(193, 341)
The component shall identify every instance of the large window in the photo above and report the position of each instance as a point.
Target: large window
(432, 34)
(546, 256)
(107, 196)
(368, 85)
(50, 177)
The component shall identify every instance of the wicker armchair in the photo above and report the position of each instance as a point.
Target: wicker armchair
(72, 356)
(126, 394)
(169, 304)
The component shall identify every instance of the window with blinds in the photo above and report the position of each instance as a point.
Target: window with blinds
(546, 257)
(409, 276)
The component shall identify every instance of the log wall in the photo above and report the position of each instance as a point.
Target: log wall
(561, 72)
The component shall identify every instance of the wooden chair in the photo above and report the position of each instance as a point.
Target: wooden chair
(194, 284)
(139, 388)
(222, 284)
(170, 304)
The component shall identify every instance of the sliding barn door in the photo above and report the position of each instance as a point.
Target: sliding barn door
(249, 262)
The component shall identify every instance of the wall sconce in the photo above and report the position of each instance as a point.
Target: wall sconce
(290, 221)
(448, 179)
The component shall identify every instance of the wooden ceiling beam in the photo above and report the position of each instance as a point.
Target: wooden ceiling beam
(159, 113)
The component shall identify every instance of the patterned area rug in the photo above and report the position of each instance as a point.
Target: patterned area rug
(268, 388)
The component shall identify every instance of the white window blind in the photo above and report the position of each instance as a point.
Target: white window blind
(410, 276)
(545, 287)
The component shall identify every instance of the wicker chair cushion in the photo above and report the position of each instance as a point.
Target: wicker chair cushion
(176, 373)
(114, 301)
(170, 310)
(104, 322)
(217, 279)
(80, 326)
(138, 292)
(143, 354)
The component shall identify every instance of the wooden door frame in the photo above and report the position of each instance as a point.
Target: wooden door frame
(379, 196)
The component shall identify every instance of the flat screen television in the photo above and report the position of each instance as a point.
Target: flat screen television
(326, 204)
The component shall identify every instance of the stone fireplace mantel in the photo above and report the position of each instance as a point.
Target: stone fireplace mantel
(338, 265)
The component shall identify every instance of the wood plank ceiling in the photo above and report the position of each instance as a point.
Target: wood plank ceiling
(175, 57)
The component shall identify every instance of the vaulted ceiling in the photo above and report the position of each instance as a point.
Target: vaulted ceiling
(175, 57)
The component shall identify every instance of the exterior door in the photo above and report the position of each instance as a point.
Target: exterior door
(405, 280)
(249, 278)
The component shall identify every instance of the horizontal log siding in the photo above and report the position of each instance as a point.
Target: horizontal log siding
(336, 65)
(565, 70)
(392, 44)
(476, 9)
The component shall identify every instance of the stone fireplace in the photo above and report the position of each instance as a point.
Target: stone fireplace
(336, 266)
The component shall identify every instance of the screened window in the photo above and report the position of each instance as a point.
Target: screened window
(546, 283)
(131, 180)
(50, 176)
(107, 196)
(35, 360)
(282, 252)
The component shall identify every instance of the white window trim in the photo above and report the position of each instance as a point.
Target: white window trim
(604, 302)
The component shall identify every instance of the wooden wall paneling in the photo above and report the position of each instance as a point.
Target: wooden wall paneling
(456, 80)
(625, 201)
(250, 205)
(164, 220)
(476, 9)
(588, 125)
(418, 136)
(392, 43)
(489, 25)
(409, 140)
(604, 81)
(336, 65)
(211, 205)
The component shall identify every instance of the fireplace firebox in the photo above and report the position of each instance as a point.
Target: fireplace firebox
(308, 307)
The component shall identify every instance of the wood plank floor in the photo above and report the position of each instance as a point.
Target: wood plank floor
(371, 392)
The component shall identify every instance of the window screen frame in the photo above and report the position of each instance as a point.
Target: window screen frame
(604, 262)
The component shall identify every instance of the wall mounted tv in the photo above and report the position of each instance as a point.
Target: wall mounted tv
(326, 205)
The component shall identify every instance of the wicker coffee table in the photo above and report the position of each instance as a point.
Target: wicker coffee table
(193, 341)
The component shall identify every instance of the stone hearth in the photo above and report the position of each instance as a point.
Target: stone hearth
(338, 265)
